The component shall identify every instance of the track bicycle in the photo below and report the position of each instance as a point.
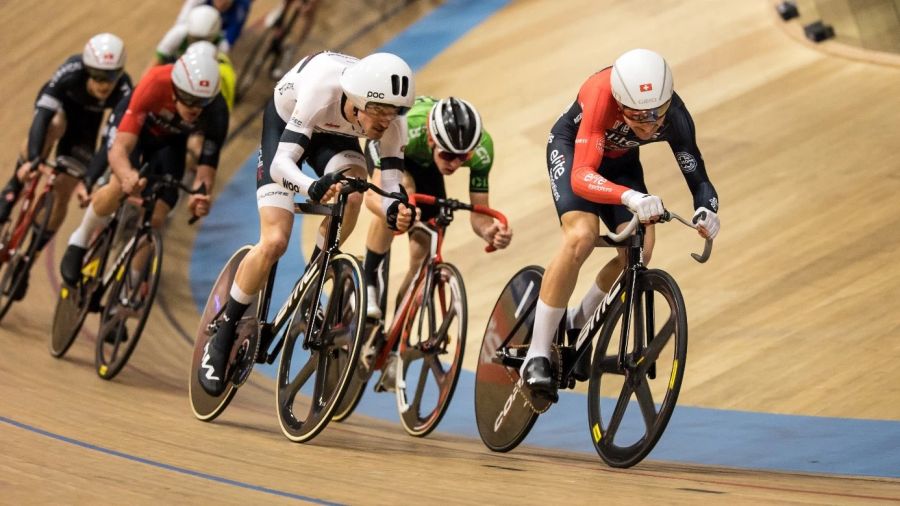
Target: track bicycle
(20, 236)
(123, 293)
(320, 326)
(273, 50)
(640, 334)
(428, 332)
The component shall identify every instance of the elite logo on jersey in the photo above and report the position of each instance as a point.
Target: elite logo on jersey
(646, 87)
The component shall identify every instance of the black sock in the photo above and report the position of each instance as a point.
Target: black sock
(234, 310)
(13, 185)
(370, 266)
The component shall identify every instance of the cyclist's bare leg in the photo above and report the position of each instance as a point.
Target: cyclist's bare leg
(419, 243)
(580, 231)
(158, 222)
(63, 188)
(275, 232)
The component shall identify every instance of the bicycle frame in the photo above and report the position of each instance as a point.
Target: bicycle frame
(315, 273)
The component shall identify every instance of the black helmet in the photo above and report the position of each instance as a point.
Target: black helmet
(455, 125)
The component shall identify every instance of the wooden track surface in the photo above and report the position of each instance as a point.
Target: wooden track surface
(796, 312)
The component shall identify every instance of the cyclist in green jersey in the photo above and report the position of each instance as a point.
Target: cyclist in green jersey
(443, 136)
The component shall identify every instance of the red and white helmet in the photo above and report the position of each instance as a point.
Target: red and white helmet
(105, 52)
(641, 79)
(196, 76)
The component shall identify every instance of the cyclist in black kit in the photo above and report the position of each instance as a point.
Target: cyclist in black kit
(69, 109)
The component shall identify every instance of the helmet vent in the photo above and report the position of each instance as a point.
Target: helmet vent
(399, 85)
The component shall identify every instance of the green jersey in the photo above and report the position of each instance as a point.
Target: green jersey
(418, 152)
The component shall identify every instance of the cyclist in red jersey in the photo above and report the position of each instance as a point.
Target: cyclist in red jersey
(595, 171)
(168, 104)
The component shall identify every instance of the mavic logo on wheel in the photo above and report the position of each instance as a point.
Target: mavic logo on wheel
(205, 365)
(598, 315)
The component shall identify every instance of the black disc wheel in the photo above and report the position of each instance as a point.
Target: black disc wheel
(629, 405)
(75, 302)
(312, 379)
(243, 354)
(128, 304)
(15, 270)
(431, 352)
(504, 410)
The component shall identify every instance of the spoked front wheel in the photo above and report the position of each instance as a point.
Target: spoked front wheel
(128, 303)
(431, 351)
(626, 427)
(312, 377)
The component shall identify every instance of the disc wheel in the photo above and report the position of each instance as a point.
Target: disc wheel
(431, 351)
(74, 302)
(504, 410)
(128, 304)
(311, 382)
(243, 354)
(629, 407)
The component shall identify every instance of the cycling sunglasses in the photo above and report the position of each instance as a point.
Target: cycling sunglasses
(449, 157)
(103, 76)
(190, 100)
(385, 110)
(646, 115)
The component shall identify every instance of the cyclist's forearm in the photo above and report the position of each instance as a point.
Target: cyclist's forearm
(119, 163)
(206, 174)
(390, 182)
(480, 224)
(285, 172)
(37, 135)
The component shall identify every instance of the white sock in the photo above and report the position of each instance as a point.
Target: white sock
(89, 224)
(546, 321)
(239, 295)
(578, 316)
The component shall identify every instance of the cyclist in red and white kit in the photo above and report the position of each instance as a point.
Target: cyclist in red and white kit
(595, 171)
(318, 112)
(169, 103)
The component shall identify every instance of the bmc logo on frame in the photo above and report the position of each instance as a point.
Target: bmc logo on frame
(374, 94)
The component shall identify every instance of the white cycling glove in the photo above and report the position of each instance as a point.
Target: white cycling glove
(707, 220)
(646, 207)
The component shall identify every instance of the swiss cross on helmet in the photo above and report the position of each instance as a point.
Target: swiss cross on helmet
(104, 57)
(380, 78)
(641, 79)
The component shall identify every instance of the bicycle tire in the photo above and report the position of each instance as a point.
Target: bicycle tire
(14, 271)
(345, 278)
(204, 406)
(503, 411)
(652, 285)
(74, 302)
(357, 385)
(447, 296)
(114, 330)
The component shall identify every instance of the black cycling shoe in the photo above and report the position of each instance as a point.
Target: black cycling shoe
(581, 371)
(538, 376)
(70, 268)
(213, 368)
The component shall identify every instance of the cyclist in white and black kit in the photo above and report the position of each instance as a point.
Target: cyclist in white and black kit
(69, 109)
(318, 111)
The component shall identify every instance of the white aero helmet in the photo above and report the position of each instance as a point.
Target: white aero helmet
(381, 78)
(104, 57)
(195, 77)
(204, 22)
(203, 48)
(641, 79)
